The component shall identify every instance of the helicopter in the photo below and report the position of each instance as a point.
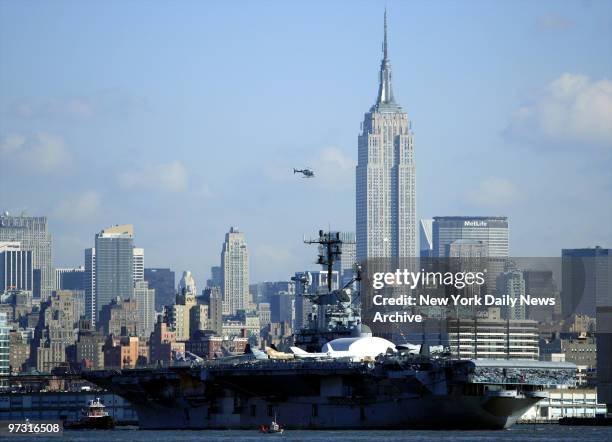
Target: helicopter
(306, 172)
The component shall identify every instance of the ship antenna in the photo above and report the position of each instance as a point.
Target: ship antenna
(331, 248)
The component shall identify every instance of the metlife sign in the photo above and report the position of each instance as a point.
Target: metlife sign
(482, 222)
(474, 224)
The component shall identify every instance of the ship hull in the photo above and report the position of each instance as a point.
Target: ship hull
(98, 423)
(310, 396)
(423, 413)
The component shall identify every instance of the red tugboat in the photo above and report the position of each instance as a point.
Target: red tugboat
(272, 428)
(94, 418)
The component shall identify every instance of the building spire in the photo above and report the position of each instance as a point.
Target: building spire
(385, 40)
(385, 90)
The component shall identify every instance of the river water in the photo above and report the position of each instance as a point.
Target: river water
(539, 433)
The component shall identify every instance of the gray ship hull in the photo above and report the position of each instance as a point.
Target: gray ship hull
(423, 412)
(314, 395)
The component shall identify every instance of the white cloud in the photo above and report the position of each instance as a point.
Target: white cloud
(82, 205)
(336, 158)
(494, 192)
(113, 102)
(44, 152)
(168, 177)
(11, 143)
(571, 109)
(334, 167)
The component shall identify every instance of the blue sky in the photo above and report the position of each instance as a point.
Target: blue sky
(185, 118)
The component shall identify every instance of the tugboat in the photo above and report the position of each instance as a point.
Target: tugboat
(94, 418)
(272, 428)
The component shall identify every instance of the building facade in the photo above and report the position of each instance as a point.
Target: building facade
(215, 277)
(138, 257)
(55, 331)
(145, 303)
(491, 337)
(5, 363)
(215, 310)
(162, 281)
(31, 232)
(16, 271)
(282, 308)
(89, 349)
(235, 272)
(119, 318)
(491, 230)
(70, 278)
(198, 318)
(90, 285)
(114, 265)
(386, 176)
(512, 284)
(540, 284)
(585, 280)
(565, 403)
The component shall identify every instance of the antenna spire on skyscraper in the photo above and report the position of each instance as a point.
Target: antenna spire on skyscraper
(385, 39)
(385, 91)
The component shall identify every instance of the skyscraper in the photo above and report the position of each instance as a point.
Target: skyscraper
(162, 281)
(215, 277)
(540, 284)
(32, 234)
(491, 230)
(114, 264)
(385, 176)
(587, 289)
(234, 272)
(145, 302)
(16, 271)
(281, 308)
(4, 349)
(585, 280)
(55, 331)
(512, 284)
(215, 310)
(90, 285)
(138, 264)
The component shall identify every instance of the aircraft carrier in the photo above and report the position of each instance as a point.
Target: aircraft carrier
(355, 381)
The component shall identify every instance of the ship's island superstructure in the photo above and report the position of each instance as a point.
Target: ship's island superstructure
(337, 376)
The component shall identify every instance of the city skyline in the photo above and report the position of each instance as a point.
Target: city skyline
(489, 141)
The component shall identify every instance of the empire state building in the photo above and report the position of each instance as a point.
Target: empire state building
(385, 176)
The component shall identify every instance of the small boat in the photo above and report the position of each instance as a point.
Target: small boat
(272, 428)
(94, 417)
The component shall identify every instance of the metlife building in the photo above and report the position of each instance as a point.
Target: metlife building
(491, 230)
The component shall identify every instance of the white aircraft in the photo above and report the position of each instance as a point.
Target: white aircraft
(357, 349)
(302, 354)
